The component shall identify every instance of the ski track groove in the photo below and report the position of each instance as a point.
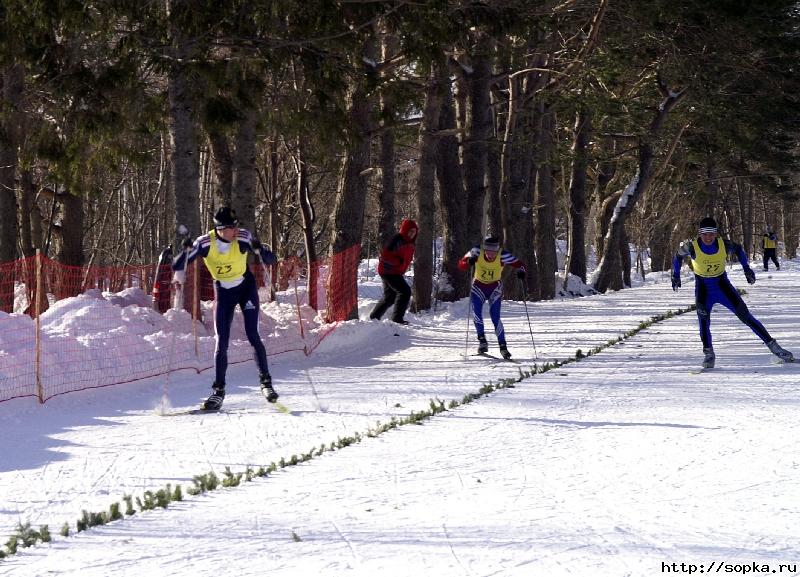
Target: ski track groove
(467, 570)
(350, 546)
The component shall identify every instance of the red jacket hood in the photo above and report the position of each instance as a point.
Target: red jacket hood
(406, 228)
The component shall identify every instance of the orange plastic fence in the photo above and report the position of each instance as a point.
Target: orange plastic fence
(65, 329)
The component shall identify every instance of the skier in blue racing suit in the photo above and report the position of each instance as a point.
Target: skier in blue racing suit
(708, 254)
(224, 251)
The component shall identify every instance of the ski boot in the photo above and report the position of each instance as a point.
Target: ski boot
(709, 358)
(266, 388)
(780, 352)
(483, 346)
(214, 402)
(504, 352)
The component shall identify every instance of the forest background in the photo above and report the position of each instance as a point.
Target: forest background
(604, 123)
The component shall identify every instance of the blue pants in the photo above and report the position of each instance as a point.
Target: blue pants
(246, 296)
(708, 292)
(494, 294)
(769, 254)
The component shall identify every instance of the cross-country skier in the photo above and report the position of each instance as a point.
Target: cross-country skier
(769, 242)
(224, 251)
(487, 263)
(708, 254)
(394, 261)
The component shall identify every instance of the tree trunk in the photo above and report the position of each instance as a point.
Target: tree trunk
(454, 283)
(12, 86)
(660, 246)
(27, 195)
(478, 132)
(222, 163)
(348, 216)
(183, 139)
(273, 193)
(243, 193)
(625, 258)
(605, 273)
(423, 259)
(545, 204)
(71, 252)
(576, 241)
(386, 195)
(613, 258)
(494, 174)
(307, 212)
(791, 226)
(606, 169)
(516, 164)
(745, 194)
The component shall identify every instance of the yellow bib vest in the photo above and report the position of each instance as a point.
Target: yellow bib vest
(768, 242)
(488, 272)
(709, 265)
(228, 266)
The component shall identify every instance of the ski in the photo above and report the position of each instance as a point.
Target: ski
(495, 358)
(700, 370)
(275, 404)
(280, 407)
(199, 411)
(783, 362)
(501, 361)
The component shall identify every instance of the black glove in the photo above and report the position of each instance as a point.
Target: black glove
(676, 282)
(521, 274)
(750, 275)
(256, 244)
(187, 243)
(472, 260)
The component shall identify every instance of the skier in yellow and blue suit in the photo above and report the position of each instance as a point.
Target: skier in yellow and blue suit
(488, 262)
(708, 254)
(224, 251)
(769, 242)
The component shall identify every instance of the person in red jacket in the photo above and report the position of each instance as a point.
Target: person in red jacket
(393, 263)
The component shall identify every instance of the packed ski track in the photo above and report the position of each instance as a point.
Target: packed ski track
(621, 464)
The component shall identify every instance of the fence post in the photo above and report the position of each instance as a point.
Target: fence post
(38, 309)
(299, 313)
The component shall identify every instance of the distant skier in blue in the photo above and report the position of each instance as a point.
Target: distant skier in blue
(708, 254)
(486, 263)
(224, 251)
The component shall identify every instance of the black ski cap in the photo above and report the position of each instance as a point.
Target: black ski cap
(491, 243)
(708, 224)
(225, 216)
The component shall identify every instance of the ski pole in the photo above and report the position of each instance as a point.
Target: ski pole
(525, 304)
(469, 311)
(164, 405)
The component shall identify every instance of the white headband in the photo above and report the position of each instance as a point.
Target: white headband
(708, 230)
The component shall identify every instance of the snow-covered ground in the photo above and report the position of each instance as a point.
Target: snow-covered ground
(624, 463)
